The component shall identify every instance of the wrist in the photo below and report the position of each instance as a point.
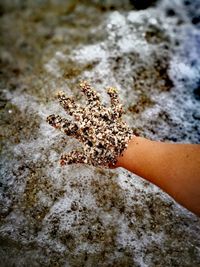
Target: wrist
(123, 158)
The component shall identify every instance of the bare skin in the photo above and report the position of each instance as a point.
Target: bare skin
(175, 168)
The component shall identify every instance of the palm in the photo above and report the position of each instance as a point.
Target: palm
(100, 129)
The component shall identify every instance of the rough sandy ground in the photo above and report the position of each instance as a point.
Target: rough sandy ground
(80, 215)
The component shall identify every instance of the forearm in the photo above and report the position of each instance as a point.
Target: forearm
(173, 167)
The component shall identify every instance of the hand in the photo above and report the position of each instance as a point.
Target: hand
(100, 129)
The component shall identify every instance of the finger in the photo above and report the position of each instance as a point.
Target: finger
(73, 157)
(90, 93)
(66, 126)
(54, 120)
(69, 105)
(115, 102)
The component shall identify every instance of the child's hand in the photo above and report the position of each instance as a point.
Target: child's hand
(101, 130)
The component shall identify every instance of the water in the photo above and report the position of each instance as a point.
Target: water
(80, 215)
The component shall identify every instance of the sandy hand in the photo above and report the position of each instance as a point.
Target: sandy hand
(100, 129)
